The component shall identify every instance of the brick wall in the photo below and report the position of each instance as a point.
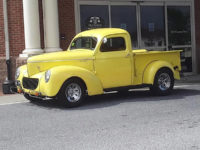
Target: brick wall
(197, 25)
(16, 26)
(66, 21)
(16, 36)
(2, 70)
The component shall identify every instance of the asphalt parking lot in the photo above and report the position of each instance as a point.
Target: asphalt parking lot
(137, 120)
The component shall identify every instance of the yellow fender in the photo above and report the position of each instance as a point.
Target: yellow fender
(60, 74)
(152, 68)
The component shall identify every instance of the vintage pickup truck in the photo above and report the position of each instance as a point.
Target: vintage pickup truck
(96, 61)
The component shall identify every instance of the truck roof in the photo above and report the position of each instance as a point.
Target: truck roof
(102, 32)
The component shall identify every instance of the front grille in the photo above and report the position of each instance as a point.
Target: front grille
(30, 83)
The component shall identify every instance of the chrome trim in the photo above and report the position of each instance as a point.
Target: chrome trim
(73, 92)
(60, 60)
(164, 81)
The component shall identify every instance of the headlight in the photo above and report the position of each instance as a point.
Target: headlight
(17, 73)
(47, 75)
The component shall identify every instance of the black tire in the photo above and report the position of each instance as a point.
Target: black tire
(31, 99)
(163, 82)
(72, 93)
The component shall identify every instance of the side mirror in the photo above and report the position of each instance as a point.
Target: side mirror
(105, 40)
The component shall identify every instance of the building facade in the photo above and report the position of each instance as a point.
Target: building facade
(43, 26)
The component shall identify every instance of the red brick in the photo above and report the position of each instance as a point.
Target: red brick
(66, 21)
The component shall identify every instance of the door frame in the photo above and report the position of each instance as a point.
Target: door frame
(193, 39)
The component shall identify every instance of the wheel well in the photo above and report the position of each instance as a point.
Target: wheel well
(72, 78)
(166, 68)
(77, 78)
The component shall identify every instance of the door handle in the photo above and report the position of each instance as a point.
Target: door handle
(127, 55)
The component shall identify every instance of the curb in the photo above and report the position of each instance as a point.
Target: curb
(189, 79)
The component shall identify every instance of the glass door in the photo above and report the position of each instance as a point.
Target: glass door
(92, 16)
(179, 33)
(152, 23)
(125, 17)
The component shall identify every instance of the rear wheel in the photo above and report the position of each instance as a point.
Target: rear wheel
(163, 82)
(72, 93)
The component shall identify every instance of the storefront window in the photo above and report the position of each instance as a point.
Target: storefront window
(152, 26)
(94, 16)
(179, 33)
(179, 26)
(186, 59)
(125, 17)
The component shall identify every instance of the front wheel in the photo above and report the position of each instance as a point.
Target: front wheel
(163, 82)
(72, 93)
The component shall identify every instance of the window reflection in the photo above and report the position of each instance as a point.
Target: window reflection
(84, 43)
(125, 17)
(152, 26)
(179, 27)
(186, 58)
(94, 16)
(113, 44)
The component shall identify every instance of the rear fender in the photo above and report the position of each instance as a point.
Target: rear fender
(152, 68)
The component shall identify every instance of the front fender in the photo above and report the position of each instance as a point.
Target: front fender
(151, 70)
(23, 72)
(60, 74)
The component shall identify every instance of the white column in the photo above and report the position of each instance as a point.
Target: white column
(51, 26)
(31, 28)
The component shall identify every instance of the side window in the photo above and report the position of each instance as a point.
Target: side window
(84, 43)
(113, 44)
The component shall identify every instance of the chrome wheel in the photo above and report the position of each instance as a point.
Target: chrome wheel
(73, 92)
(164, 81)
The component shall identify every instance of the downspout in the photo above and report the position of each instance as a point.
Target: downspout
(7, 83)
(5, 14)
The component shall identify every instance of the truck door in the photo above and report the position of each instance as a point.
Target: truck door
(113, 62)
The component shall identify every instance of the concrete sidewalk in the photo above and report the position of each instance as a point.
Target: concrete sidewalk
(12, 99)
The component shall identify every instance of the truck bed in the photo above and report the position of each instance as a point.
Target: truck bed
(142, 58)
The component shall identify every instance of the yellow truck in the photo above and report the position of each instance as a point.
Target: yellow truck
(96, 61)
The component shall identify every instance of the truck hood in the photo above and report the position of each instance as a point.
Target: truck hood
(61, 56)
(43, 62)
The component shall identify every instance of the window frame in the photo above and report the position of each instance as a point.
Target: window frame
(112, 37)
(92, 37)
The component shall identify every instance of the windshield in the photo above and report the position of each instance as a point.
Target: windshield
(84, 43)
